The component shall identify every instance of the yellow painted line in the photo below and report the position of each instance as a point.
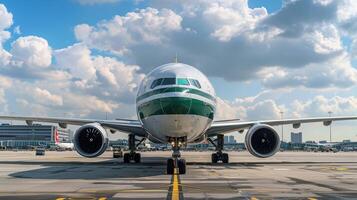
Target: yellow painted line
(253, 198)
(175, 188)
(102, 198)
(342, 169)
(60, 198)
(311, 198)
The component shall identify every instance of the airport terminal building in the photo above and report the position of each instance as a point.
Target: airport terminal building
(28, 136)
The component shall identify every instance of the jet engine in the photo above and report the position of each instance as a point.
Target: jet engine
(262, 141)
(90, 140)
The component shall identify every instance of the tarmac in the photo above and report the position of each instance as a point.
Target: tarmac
(287, 175)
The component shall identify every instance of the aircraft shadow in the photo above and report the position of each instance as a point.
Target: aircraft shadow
(90, 170)
(151, 166)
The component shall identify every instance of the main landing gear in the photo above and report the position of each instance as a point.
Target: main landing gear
(132, 155)
(219, 155)
(176, 164)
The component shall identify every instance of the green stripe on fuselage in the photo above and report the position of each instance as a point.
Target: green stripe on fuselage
(175, 89)
(175, 105)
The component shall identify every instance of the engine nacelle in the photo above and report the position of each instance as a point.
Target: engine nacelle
(90, 140)
(262, 141)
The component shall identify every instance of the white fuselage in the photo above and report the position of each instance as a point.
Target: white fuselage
(176, 101)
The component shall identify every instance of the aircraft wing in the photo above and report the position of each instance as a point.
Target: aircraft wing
(226, 126)
(123, 125)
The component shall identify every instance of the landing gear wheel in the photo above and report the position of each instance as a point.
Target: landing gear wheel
(225, 158)
(170, 166)
(182, 166)
(126, 157)
(214, 158)
(137, 157)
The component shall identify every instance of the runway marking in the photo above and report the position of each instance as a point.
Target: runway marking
(175, 189)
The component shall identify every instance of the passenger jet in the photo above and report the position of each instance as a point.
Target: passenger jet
(176, 104)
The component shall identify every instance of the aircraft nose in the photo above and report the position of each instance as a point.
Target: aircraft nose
(176, 105)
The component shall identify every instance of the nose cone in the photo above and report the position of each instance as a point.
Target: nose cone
(175, 105)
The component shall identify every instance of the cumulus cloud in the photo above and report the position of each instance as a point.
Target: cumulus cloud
(335, 73)
(5, 22)
(99, 75)
(77, 59)
(147, 25)
(31, 51)
(320, 106)
(45, 97)
(215, 34)
(249, 108)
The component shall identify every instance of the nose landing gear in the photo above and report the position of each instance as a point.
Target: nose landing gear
(176, 161)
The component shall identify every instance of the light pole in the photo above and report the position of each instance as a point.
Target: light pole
(282, 126)
(329, 114)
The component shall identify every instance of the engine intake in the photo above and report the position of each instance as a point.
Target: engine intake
(262, 141)
(91, 140)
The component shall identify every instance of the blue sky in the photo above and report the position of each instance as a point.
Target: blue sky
(261, 57)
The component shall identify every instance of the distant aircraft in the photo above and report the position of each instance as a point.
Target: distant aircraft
(65, 146)
(176, 104)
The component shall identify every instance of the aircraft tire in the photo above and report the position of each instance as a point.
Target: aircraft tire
(182, 166)
(137, 157)
(170, 166)
(126, 158)
(225, 158)
(214, 158)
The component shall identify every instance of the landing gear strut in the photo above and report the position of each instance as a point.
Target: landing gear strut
(219, 155)
(132, 155)
(176, 161)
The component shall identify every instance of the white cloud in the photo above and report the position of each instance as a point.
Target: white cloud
(147, 25)
(17, 30)
(5, 23)
(326, 39)
(45, 97)
(226, 110)
(249, 108)
(231, 18)
(31, 51)
(320, 106)
(334, 73)
(5, 18)
(77, 59)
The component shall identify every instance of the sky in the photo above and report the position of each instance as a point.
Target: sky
(86, 58)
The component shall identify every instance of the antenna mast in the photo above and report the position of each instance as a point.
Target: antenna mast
(176, 58)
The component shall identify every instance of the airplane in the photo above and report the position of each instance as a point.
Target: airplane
(176, 105)
(65, 146)
(60, 145)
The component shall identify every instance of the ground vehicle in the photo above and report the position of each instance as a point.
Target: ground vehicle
(40, 151)
(117, 152)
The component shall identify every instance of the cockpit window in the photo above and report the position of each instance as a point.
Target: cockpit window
(182, 81)
(195, 83)
(169, 81)
(173, 81)
(198, 84)
(156, 82)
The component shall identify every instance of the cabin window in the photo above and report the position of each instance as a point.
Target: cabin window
(155, 83)
(182, 81)
(169, 81)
